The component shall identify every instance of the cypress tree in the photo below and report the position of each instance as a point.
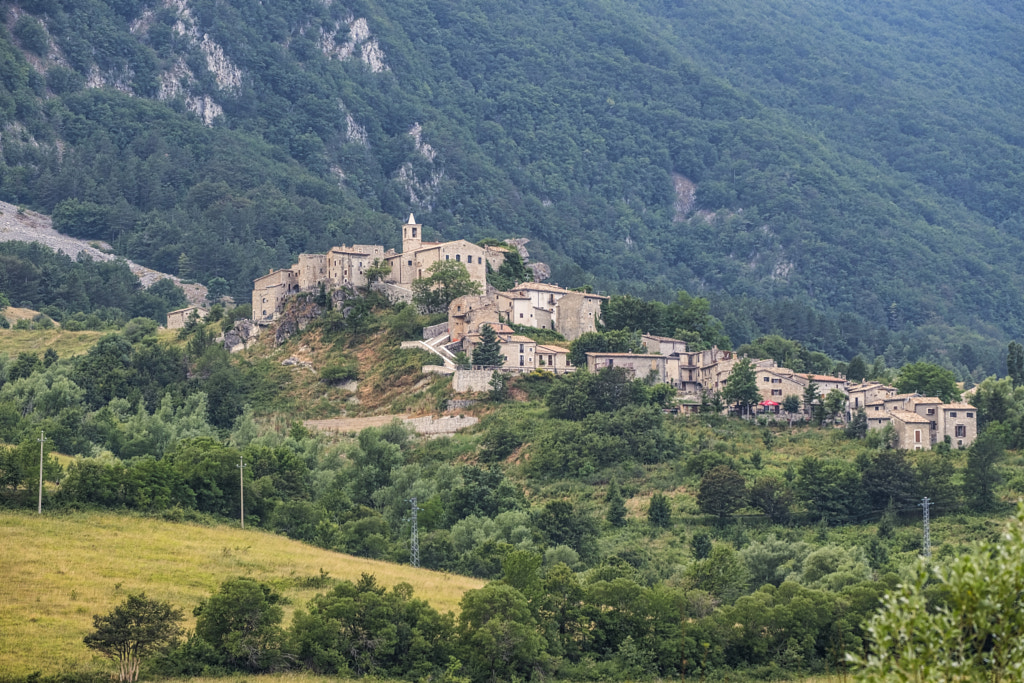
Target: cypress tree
(488, 351)
(616, 514)
(659, 514)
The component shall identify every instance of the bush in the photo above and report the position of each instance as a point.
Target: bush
(337, 373)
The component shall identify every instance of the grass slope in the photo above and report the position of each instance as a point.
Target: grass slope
(58, 571)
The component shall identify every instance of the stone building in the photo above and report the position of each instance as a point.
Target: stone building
(934, 419)
(538, 304)
(860, 395)
(270, 291)
(346, 266)
(520, 352)
(637, 365)
(417, 256)
(177, 319)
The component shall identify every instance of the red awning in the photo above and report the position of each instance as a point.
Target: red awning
(769, 403)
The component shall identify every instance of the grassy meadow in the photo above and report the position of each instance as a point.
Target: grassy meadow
(57, 571)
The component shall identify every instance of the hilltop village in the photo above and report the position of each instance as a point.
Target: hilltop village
(920, 422)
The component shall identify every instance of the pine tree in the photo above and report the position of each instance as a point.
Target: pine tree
(488, 351)
(659, 514)
(1015, 363)
(616, 514)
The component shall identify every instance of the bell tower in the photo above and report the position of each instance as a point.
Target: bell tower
(412, 235)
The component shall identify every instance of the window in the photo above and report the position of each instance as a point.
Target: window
(952, 413)
(521, 348)
(414, 232)
(931, 411)
(522, 361)
(410, 263)
(934, 426)
(776, 392)
(520, 315)
(917, 436)
(766, 379)
(970, 414)
(446, 257)
(458, 257)
(961, 430)
(469, 259)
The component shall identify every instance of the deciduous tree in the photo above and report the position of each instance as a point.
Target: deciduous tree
(135, 628)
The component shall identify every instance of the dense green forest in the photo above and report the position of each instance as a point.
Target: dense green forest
(855, 167)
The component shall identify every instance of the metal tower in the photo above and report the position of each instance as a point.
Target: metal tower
(414, 547)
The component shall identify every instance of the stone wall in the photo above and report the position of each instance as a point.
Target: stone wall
(441, 425)
(471, 380)
(435, 330)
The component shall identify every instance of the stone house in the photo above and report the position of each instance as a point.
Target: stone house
(177, 319)
(775, 384)
(538, 304)
(860, 395)
(957, 420)
(663, 346)
(912, 430)
(638, 365)
(553, 358)
(467, 314)
(825, 383)
(520, 352)
(270, 291)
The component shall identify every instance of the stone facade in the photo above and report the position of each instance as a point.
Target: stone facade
(346, 266)
(860, 395)
(637, 365)
(177, 319)
(269, 293)
(958, 421)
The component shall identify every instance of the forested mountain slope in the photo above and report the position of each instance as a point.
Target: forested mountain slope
(844, 173)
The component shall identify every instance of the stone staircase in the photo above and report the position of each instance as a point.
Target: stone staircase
(436, 345)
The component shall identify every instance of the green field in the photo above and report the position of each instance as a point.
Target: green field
(56, 571)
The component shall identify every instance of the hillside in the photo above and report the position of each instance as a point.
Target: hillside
(845, 174)
(60, 569)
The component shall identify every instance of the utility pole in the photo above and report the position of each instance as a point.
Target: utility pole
(241, 488)
(42, 438)
(927, 527)
(414, 549)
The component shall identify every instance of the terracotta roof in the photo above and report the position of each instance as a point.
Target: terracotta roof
(923, 399)
(822, 378)
(632, 355)
(668, 339)
(551, 349)
(907, 416)
(343, 250)
(900, 397)
(519, 339)
(958, 406)
(554, 289)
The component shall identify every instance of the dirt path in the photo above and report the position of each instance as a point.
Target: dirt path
(353, 424)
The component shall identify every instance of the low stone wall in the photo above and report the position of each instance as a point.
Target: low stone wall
(454, 404)
(435, 330)
(394, 292)
(471, 380)
(441, 425)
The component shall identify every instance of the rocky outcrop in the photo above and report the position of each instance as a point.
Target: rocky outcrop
(241, 336)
